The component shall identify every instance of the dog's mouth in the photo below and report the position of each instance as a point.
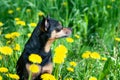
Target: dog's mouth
(63, 36)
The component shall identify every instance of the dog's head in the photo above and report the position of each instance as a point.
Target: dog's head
(54, 28)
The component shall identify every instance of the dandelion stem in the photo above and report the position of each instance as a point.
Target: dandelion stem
(57, 71)
(30, 76)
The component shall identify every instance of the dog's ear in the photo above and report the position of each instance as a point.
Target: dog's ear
(45, 23)
(48, 17)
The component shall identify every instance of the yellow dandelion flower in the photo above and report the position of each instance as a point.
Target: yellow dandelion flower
(104, 58)
(60, 54)
(0, 77)
(18, 22)
(34, 68)
(28, 10)
(61, 49)
(3, 69)
(10, 11)
(1, 24)
(17, 47)
(69, 79)
(12, 35)
(0, 57)
(17, 19)
(86, 54)
(70, 69)
(33, 24)
(6, 50)
(8, 36)
(58, 60)
(41, 13)
(92, 78)
(64, 4)
(77, 36)
(47, 76)
(35, 58)
(117, 39)
(22, 23)
(109, 6)
(13, 76)
(15, 34)
(70, 40)
(72, 63)
(18, 9)
(29, 34)
(95, 55)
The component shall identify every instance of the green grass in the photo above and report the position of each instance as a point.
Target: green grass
(95, 21)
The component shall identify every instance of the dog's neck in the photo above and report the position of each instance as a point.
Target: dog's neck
(48, 45)
(40, 41)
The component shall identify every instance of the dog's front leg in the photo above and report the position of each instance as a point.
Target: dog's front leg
(47, 68)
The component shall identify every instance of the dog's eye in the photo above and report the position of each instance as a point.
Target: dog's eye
(59, 28)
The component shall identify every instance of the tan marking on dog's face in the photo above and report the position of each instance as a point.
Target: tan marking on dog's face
(65, 32)
(34, 75)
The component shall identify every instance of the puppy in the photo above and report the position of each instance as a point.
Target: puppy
(46, 32)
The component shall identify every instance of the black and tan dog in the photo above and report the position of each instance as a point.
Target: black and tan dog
(40, 41)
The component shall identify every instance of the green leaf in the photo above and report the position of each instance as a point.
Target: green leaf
(106, 69)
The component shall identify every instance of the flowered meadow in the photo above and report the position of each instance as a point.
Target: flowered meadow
(91, 52)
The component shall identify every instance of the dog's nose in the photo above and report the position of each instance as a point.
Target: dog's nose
(67, 31)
